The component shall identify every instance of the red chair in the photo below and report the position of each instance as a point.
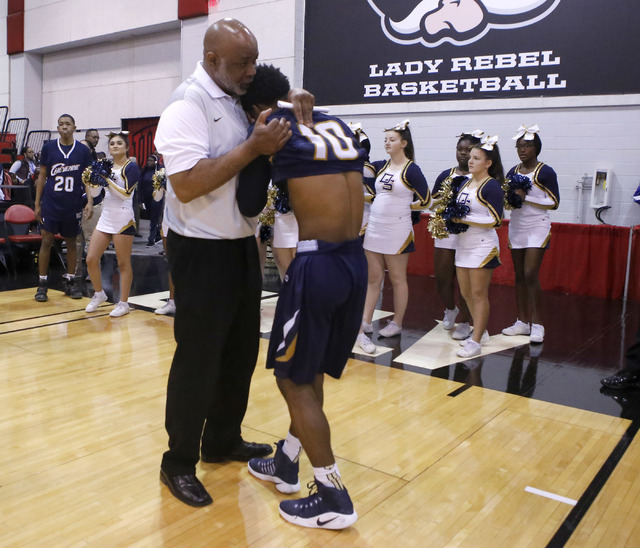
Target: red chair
(21, 231)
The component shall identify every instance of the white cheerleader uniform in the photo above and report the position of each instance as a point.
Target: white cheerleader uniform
(285, 230)
(479, 247)
(389, 230)
(117, 207)
(530, 225)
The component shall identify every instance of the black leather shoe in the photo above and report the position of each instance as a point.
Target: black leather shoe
(243, 453)
(622, 380)
(187, 489)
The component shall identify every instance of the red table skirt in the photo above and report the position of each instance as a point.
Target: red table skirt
(582, 260)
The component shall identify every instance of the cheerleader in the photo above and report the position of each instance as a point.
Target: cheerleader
(445, 249)
(285, 232)
(117, 224)
(399, 187)
(530, 231)
(478, 250)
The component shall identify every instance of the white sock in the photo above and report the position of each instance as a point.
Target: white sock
(100, 293)
(170, 301)
(43, 278)
(68, 276)
(292, 447)
(329, 476)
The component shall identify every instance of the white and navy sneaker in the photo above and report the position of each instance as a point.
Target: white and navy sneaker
(391, 330)
(277, 469)
(324, 508)
(449, 319)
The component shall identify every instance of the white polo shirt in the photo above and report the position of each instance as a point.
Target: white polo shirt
(202, 121)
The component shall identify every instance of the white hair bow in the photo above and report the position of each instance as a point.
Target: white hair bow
(478, 133)
(489, 142)
(527, 132)
(402, 126)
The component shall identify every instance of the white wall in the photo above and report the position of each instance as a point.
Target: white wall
(101, 84)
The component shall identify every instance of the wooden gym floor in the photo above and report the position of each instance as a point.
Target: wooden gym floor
(517, 448)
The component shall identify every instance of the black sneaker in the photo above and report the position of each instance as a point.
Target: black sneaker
(75, 291)
(67, 283)
(41, 293)
(324, 508)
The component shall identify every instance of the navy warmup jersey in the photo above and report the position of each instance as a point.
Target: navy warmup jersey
(63, 190)
(328, 147)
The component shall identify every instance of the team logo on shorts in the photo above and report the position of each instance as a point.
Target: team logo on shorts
(460, 22)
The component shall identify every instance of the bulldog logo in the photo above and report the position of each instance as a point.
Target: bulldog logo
(460, 22)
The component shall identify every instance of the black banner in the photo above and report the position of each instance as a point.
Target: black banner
(384, 51)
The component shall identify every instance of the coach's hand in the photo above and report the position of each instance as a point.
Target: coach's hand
(269, 138)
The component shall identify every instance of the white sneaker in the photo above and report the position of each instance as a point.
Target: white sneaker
(450, 318)
(461, 332)
(367, 327)
(365, 344)
(121, 309)
(518, 328)
(483, 340)
(537, 333)
(96, 301)
(391, 330)
(169, 308)
(470, 349)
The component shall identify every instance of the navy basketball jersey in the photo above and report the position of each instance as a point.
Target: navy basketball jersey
(327, 147)
(63, 190)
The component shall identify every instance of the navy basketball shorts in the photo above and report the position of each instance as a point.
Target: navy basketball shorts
(67, 228)
(319, 311)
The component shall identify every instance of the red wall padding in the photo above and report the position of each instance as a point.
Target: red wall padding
(15, 6)
(192, 8)
(15, 32)
(582, 260)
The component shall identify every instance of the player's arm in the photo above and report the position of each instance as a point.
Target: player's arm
(547, 180)
(418, 183)
(42, 179)
(253, 184)
(130, 177)
(491, 197)
(209, 174)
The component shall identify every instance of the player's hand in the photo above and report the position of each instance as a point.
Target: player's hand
(269, 138)
(303, 103)
(38, 213)
(87, 213)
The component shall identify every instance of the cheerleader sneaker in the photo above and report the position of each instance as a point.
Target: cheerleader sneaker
(518, 328)
(169, 308)
(391, 330)
(537, 333)
(365, 344)
(324, 508)
(367, 328)
(96, 301)
(449, 319)
(121, 309)
(470, 349)
(461, 332)
(483, 340)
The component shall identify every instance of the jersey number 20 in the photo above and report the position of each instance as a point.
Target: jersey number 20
(330, 135)
(63, 184)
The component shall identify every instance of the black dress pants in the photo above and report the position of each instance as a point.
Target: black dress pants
(217, 330)
(632, 355)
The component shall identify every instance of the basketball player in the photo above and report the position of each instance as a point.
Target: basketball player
(59, 207)
(322, 296)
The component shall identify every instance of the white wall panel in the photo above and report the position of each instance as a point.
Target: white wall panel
(56, 23)
(103, 83)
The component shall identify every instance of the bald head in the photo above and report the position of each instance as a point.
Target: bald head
(230, 55)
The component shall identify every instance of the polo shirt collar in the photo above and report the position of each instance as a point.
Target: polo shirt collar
(208, 84)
